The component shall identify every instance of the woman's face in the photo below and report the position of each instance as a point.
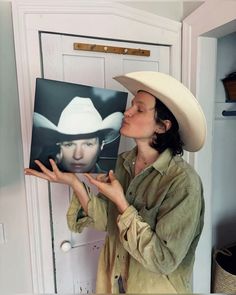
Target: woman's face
(139, 121)
(80, 156)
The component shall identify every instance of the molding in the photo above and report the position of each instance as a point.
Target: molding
(31, 17)
(96, 7)
(186, 54)
(193, 29)
(213, 20)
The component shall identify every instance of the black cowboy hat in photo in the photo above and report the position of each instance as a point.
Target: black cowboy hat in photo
(79, 119)
(179, 100)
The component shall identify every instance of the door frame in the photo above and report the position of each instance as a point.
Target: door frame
(199, 57)
(85, 18)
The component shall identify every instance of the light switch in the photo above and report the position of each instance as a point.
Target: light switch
(2, 235)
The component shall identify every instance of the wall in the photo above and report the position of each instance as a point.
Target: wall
(224, 156)
(14, 244)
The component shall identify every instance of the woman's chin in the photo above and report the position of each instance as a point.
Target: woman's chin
(126, 133)
(123, 131)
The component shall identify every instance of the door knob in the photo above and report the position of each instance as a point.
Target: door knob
(65, 246)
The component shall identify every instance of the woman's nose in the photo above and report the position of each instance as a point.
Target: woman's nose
(78, 152)
(129, 112)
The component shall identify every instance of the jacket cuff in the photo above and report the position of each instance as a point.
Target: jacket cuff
(127, 216)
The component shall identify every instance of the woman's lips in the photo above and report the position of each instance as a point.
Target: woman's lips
(124, 122)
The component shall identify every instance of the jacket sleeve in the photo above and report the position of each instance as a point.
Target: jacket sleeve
(77, 220)
(178, 223)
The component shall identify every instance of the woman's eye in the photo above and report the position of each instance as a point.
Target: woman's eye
(140, 110)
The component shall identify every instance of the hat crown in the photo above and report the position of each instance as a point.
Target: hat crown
(79, 116)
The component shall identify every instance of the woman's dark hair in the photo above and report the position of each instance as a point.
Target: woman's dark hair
(171, 138)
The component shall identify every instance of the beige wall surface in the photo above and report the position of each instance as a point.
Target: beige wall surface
(14, 241)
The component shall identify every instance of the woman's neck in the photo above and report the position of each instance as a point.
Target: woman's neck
(146, 155)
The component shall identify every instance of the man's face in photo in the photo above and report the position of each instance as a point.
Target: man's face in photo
(80, 156)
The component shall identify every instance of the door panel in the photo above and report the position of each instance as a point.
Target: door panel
(75, 269)
(77, 68)
(135, 65)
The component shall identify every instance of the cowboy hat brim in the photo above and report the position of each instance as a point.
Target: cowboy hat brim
(179, 100)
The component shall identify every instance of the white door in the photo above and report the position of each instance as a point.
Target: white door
(75, 269)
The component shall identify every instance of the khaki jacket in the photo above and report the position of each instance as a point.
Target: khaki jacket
(152, 244)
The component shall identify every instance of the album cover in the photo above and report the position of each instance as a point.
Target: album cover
(77, 126)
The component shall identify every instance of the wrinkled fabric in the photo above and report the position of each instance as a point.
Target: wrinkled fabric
(152, 244)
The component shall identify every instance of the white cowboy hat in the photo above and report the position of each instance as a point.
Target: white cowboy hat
(179, 100)
(79, 119)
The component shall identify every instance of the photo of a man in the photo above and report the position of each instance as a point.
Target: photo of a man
(83, 138)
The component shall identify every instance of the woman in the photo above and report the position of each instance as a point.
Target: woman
(152, 207)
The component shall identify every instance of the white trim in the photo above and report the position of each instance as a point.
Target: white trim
(186, 54)
(31, 184)
(31, 17)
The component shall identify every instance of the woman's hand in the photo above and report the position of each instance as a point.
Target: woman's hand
(53, 176)
(111, 188)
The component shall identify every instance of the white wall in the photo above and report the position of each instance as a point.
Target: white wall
(224, 155)
(14, 244)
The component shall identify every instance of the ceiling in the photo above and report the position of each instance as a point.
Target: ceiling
(176, 9)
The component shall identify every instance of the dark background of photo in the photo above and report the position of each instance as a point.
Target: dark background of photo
(52, 96)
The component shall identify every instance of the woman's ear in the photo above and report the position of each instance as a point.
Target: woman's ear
(164, 126)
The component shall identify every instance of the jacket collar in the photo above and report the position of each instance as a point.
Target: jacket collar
(161, 164)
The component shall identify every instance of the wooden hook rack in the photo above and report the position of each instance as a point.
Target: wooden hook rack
(111, 49)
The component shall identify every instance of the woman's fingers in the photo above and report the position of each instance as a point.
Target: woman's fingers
(91, 179)
(36, 173)
(54, 176)
(42, 167)
(102, 177)
(111, 176)
(50, 174)
(45, 174)
(54, 167)
(62, 177)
